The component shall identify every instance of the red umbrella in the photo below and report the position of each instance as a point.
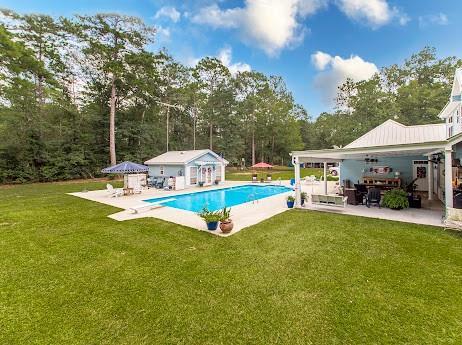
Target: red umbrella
(261, 165)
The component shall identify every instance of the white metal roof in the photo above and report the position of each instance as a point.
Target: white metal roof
(448, 109)
(181, 157)
(394, 133)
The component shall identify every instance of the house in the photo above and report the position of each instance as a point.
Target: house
(189, 168)
(394, 154)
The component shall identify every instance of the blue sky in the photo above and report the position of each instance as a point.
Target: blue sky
(313, 44)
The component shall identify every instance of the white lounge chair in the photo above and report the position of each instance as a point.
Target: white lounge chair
(311, 180)
(114, 192)
(137, 190)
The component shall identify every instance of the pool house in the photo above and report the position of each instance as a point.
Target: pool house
(188, 168)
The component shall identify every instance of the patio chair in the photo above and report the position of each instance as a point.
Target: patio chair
(373, 197)
(160, 183)
(114, 192)
(151, 182)
(361, 191)
(310, 180)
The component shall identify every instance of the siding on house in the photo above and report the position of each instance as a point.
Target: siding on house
(169, 170)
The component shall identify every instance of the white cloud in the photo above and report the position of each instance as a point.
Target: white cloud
(225, 56)
(335, 70)
(273, 25)
(309, 7)
(163, 32)
(168, 12)
(374, 13)
(270, 24)
(215, 17)
(321, 60)
(433, 19)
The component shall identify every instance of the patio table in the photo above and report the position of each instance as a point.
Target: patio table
(129, 191)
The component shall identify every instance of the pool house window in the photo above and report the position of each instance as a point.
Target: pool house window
(193, 175)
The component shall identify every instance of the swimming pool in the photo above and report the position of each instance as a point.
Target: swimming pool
(219, 198)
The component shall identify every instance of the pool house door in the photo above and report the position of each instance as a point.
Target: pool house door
(206, 175)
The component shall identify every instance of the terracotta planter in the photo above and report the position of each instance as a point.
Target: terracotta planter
(226, 226)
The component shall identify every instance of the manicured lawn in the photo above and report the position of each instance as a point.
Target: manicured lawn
(70, 275)
(283, 173)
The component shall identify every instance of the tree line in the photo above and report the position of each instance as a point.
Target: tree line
(78, 94)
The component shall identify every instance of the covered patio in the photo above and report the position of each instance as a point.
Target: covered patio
(356, 163)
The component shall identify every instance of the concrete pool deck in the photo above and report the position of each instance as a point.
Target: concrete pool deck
(243, 215)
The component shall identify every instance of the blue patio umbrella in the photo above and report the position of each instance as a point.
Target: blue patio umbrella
(126, 168)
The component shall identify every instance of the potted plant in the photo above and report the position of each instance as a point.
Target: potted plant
(290, 201)
(211, 218)
(396, 199)
(217, 182)
(201, 183)
(226, 223)
(304, 197)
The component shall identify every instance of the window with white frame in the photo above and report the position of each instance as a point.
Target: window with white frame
(192, 175)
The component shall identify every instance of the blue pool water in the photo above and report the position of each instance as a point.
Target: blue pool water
(219, 198)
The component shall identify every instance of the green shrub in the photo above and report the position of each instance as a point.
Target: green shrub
(225, 214)
(395, 199)
(210, 216)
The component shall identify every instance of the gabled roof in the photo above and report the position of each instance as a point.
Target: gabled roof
(182, 157)
(455, 99)
(394, 133)
(457, 83)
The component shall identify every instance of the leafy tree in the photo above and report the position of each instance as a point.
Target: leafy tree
(109, 40)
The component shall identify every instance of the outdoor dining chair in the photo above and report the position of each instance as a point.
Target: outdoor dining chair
(373, 197)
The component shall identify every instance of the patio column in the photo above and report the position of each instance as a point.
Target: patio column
(430, 178)
(448, 176)
(298, 195)
(325, 178)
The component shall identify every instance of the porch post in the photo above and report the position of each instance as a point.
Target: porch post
(430, 178)
(298, 195)
(448, 176)
(325, 178)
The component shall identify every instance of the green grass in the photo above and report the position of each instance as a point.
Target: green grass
(70, 275)
(283, 173)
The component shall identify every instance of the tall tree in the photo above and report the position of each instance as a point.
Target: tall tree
(214, 79)
(109, 39)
